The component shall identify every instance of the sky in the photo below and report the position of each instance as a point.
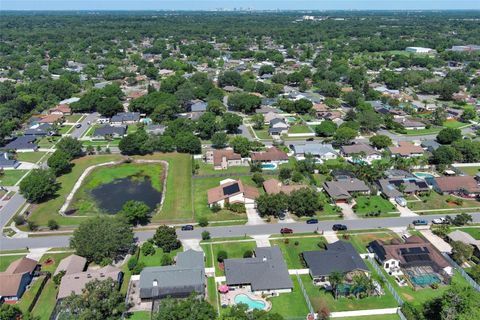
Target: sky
(230, 4)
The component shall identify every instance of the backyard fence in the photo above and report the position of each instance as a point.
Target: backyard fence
(469, 279)
(385, 280)
(305, 295)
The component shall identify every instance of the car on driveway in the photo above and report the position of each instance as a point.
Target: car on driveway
(286, 231)
(312, 221)
(339, 227)
(78, 125)
(187, 227)
(440, 221)
(401, 201)
(420, 222)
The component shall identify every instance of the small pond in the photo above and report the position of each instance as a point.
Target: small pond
(112, 196)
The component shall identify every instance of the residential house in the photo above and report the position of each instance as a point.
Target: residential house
(321, 151)
(341, 191)
(269, 116)
(360, 152)
(406, 149)
(273, 186)
(224, 158)
(232, 191)
(22, 144)
(61, 109)
(180, 280)
(71, 264)
(125, 118)
(14, 280)
(52, 118)
(339, 256)
(454, 114)
(39, 130)
(6, 162)
(397, 256)
(197, 106)
(465, 185)
(109, 132)
(277, 127)
(156, 129)
(430, 145)
(76, 282)
(397, 187)
(265, 273)
(462, 236)
(410, 124)
(271, 155)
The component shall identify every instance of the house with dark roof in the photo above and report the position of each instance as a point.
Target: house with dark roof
(277, 127)
(430, 145)
(22, 144)
(341, 191)
(397, 187)
(125, 118)
(410, 124)
(14, 280)
(39, 130)
(108, 131)
(197, 106)
(232, 191)
(265, 273)
(180, 280)
(6, 162)
(339, 256)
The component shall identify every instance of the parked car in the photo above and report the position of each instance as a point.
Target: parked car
(310, 139)
(312, 221)
(440, 221)
(286, 230)
(401, 201)
(339, 227)
(282, 216)
(78, 125)
(420, 222)
(187, 227)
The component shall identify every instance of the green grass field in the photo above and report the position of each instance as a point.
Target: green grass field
(10, 177)
(139, 315)
(233, 249)
(360, 241)
(299, 128)
(454, 124)
(370, 204)
(32, 157)
(471, 171)
(65, 129)
(290, 305)
(6, 260)
(295, 246)
(421, 132)
(263, 134)
(86, 204)
(438, 201)
(48, 142)
(73, 117)
(474, 232)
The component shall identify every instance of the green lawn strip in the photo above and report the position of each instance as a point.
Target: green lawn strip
(48, 142)
(32, 157)
(6, 260)
(299, 128)
(200, 192)
(207, 169)
(73, 118)
(454, 124)
(263, 134)
(139, 315)
(65, 129)
(295, 246)
(434, 201)
(233, 249)
(471, 171)
(422, 132)
(377, 317)
(10, 177)
(290, 305)
(83, 200)
(360, 241)
(212, 292)
(372, 204)
(207, 249)
(30, 293)
(474, 232)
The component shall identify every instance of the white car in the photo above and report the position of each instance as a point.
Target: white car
(401, 201)
(440, 221)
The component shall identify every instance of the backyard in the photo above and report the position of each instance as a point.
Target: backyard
(366, 205)
(233, 250)
(290, 305)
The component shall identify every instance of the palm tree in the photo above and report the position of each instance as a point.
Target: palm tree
(335, 278)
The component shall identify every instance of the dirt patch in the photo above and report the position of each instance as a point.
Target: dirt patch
(407, 296)
(49, 262)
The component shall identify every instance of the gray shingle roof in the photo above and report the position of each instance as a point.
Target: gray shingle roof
(126, 116)
(316, 149)
(109, 130)
(340, 256)
(341, 189)
(21, 143)
(266, 271)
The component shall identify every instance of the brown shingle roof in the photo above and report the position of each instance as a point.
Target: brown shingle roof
(216, 194)
(10, 284)
(273, 186)
(22, 265)
(51, 118)
(63, 108)
(71, 264)
(272, 154)
(406, 148)
(227, 153)
(457, 183)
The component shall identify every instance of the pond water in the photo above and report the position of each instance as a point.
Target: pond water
(112, 196)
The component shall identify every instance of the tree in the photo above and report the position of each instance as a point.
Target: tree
(188, 143)
(447, 89)
(203, 221)
(241, 145)
(216, 106)
(109, 106)
(207, 125)
(449, 135)
(231, 122)
(445, 155)
(10, 312)
(134, 143)
(59, 162)
(53, 224)
(183, 309)
(369, 120)
(439, 116)
(272, 204)
(326, 129)
(285, 173)
(136, 212)
(148, 249)
(222, 255)
(258, 179)
(219, 139)
(229, 78)
(205, 235)
(163, 112)
(100, 300)
(258, 121)
(344, 135)
(469, 149)
(102, 237)
(457, 302)
(335, 278)
(38, 185)
(468, 114)
(304, 202)
(70, 146)
(166, 238)
(380, 141)
(244, 102)
(461, 252)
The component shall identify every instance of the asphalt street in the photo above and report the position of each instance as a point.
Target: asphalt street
(78, 132)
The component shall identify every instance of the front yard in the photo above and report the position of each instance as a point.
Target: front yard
(373, 205)
(293, 247)
(471, 171)
(32, 157)
(233, 250)
(299, 128)
(10, 177)
(474, 232)
(360, 241)
(433, 200)
(6, 260)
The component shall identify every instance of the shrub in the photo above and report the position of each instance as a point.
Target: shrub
(106, 261)
(248, 254)
(19, 220)
(52, 224)
(222, 255)
(138, 268)
(203, 221)
(148, 249)
(132, 262)
(215, 207)
(32, 225)
(166, 260)
(58, 277)
(237, 207)
(286, 241)
(296, 243)
(205, 235)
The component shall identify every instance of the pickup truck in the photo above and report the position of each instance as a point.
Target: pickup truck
(440, 221)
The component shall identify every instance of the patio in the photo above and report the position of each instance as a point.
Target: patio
(227, 298)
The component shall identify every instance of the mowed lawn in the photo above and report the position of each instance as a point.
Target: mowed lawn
(299, 128)
(139, 315)
(11, 177)
(474, 232)
(293, 247)
(290, 305)
(233, 250)
(361, 241)
(379, 317)
(32, 157)
(372, 204)
(437, 201)
(471, 171)
(454, 124)
(6, 260)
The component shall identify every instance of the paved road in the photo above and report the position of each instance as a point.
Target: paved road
(234, 231)
(78, 132)
(9, 210)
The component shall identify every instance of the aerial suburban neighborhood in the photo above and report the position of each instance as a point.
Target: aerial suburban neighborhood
(240, 164)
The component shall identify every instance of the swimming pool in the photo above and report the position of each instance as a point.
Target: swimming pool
(424, 175)
(291, 119)
(251, 303)
(269, 166)
(425, 280)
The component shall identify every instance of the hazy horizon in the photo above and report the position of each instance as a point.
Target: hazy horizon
(232, 4)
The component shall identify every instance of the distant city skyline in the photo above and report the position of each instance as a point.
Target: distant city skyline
(239, 4)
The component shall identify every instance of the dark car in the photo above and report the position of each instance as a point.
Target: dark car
(187, 227)
(312, 221)
(310, 139)
(339, 227)
(78, 125)
(286, 230)
(420, 222)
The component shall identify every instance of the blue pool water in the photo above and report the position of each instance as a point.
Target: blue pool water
(425, 280)
(291, 119)
(251, 303)
(269, 166)
(424, 175)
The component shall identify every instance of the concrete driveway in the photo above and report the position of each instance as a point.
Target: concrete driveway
(404, 211)
(438, 242)
(253, 217)
(347, 211)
